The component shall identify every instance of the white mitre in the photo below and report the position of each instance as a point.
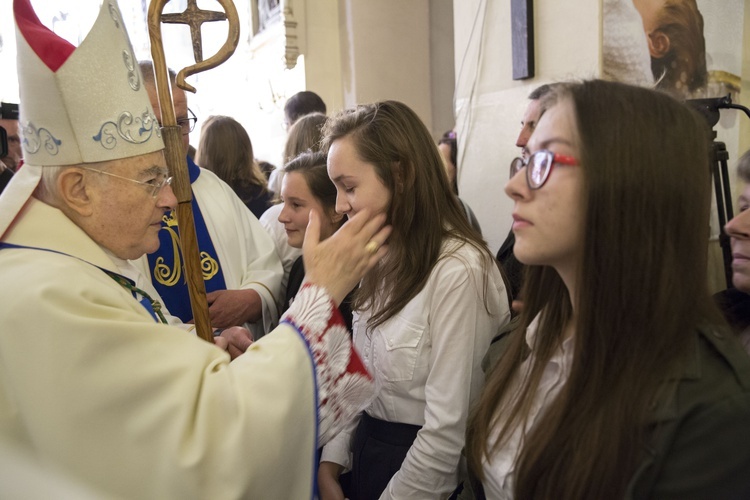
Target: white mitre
(82, 104)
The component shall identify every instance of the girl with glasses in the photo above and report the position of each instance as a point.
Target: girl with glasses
(621, 381)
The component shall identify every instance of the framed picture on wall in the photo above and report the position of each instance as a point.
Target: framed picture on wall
(684, 47)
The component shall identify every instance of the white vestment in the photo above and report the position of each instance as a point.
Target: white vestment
(137, 409)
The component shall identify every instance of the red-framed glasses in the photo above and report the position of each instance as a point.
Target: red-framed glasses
(539, 165)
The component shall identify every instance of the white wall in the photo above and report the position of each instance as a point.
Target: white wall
(360, 51)
(323, 71)
(387, 53)
(490, 104)
(442, 73)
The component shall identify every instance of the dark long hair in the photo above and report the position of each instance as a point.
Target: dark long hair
(304, 135)
(641, 293)
(226, 150)
(423, 210)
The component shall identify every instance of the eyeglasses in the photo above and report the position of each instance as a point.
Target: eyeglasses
(154, 186)
(539, 166)
(187, 124)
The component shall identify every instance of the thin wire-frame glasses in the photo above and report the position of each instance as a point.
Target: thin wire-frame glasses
(539, 165)
(154, 187)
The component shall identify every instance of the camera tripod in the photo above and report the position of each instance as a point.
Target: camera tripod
(718, 157)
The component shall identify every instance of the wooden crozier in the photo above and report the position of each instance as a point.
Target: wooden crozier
(172, 134)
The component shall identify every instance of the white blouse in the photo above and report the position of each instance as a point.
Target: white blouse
(499, 469)
(426, 364)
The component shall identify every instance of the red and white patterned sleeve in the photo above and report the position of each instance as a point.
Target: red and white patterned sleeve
(345, 387)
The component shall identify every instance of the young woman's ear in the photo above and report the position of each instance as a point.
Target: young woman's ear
(658, 44)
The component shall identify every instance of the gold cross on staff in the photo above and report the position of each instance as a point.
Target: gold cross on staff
(194, 17)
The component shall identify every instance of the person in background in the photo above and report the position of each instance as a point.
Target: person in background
(266, 168)
(423, 319)
(622, 380)
(242, 271)
(13, 159)
(10, 157)
(301, 104)
(110, 396)
(735, 302)
(305, 135)
(226, 150)
(302, 135)
(448, 147)
(306, 187)
(6, 174)
(513, 268)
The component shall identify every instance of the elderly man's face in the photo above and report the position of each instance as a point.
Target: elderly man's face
(14, 143)
(739, 230)
(125, 217)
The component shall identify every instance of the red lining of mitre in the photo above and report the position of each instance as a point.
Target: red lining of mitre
(50, 48)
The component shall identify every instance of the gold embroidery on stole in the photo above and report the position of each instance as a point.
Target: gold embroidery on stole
(170, 276)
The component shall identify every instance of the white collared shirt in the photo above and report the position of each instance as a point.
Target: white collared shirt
(499, 469)
(426, 363)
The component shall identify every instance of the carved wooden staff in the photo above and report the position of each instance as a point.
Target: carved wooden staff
(172, 134)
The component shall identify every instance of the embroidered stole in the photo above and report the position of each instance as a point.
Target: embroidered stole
(166, 264)
(152, 306)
